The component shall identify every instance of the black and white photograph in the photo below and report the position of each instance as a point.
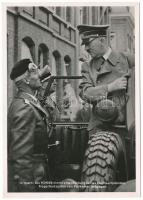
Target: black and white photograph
(71, 98)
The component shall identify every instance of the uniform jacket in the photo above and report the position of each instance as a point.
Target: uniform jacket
(96, 77)
(27, 140)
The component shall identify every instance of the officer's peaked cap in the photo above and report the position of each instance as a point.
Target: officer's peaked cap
(20, 68)
(91, 31)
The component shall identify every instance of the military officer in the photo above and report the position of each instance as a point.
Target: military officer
(27, 131)
(105, 77)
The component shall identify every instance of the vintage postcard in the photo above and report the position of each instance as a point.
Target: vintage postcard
(73, 99)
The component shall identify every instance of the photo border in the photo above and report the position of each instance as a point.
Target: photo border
(137, 103)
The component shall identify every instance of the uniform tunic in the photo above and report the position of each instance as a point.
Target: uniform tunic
(27, 143)
(97, 76)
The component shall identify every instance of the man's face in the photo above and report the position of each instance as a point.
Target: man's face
(94, 47)
(53, 87)
(34, 79)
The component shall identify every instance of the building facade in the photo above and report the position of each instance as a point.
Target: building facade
(40, 34)
(122, 28)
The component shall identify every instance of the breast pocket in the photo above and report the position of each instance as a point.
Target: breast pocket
(122, 67)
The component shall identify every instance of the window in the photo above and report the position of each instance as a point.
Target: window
(106, 17)
(101, 11)
(81, 15)
(42, 55)
(27, 49)
(58, 11)
(85, 15)
(54, 72)
(59, 83)
(67, 67)
(68, 14)
(94, 15)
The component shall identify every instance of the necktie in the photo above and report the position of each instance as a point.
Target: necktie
(99, 64)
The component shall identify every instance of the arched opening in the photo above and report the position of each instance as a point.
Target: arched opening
(28, 48)
(67, 66)
(57, 58)
(53, 70)
(43, 55)
(56, 67)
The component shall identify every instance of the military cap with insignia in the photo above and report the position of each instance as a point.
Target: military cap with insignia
(92, 31)
(20, 68)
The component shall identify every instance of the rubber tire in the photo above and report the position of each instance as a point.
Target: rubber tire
(100, 164)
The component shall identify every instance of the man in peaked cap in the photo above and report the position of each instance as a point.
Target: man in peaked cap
(104, 78)
(27, 129)
(103, 85)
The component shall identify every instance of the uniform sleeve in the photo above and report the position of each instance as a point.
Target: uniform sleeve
(88, 90)
(21, 144)
(131, 60)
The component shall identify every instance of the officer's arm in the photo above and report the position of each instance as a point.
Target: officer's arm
(21, 145)
(88, 91)
(131, 60)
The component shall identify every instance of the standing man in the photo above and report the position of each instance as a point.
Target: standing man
(104, 78)
(103, 85)
(27, 131)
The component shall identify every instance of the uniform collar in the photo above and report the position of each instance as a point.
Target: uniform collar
(30, 97)
(113, 58)
(32, 100)
(33, 97)
(107, 54)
